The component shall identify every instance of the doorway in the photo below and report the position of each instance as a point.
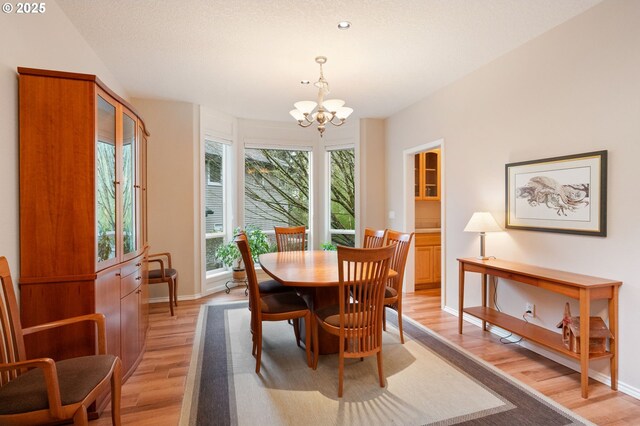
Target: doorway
(424, 206)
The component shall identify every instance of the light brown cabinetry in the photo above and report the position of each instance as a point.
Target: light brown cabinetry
(427, 261)
(82, 214)
(427, 175)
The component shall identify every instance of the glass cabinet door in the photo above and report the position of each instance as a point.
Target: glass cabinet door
(129, 183)
(431, 175)
(142, 185)
(416, 169)
(106, 180)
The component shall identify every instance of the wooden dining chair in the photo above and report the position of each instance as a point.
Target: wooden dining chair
(42, 391)
(271, 307)
(393, 289)
(357, 319)
(290, 238)
(268, 286)
(164, 274)
(373, 238)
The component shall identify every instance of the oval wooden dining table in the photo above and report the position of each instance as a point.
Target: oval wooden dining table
(315, 274)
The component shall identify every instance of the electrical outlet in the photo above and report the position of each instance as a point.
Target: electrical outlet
(530, 309)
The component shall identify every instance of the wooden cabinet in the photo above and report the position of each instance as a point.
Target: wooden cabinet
(82, 214)
(427, 175)
(428, 258)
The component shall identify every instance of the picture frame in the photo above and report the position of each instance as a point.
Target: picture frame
(565, 194)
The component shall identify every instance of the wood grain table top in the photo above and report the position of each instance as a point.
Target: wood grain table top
(314, 268)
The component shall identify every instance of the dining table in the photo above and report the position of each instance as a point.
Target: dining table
(315, 274)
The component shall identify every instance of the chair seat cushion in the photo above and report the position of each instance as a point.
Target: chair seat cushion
(278, 303)
(76, 376)
(390, 292)
(331, 315)
(157, 273)
(273, 286)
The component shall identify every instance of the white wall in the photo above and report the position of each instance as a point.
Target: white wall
(372, 172)
(46, 41)
(173, 171)
(574, 89)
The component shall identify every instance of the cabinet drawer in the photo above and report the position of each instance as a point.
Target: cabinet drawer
(131, 266)
(130, 282)
(427, 240)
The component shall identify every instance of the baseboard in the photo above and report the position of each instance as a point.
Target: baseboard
(209, 291)
(427, 286)
(595, 375)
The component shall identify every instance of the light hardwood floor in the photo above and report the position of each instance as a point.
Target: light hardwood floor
(153, 394)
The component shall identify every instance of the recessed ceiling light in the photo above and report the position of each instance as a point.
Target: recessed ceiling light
(344, 25)
(304, 81)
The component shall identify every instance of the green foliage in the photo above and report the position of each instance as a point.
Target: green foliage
(328, 246)
(104, 246)
(258, 243)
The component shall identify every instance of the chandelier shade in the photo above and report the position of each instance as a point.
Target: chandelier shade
(330, 111)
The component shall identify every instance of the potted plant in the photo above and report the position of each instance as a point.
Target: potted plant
(328, 246)
(229, 254)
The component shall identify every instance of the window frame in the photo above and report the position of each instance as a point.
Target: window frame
(226, 190)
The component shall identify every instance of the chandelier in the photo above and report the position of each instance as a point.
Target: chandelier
(330, 111)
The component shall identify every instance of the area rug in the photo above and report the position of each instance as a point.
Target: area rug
(429, 381)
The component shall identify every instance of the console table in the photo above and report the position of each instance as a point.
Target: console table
(581, 287)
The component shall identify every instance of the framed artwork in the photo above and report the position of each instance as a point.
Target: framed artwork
(561, 194)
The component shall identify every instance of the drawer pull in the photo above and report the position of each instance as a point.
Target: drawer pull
(138, 278)
(118, 274)
(139, 264)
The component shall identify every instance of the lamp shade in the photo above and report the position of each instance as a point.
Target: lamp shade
(344, 112)
(332, 105)
(482, 222)
(297, 114)
(305, 107)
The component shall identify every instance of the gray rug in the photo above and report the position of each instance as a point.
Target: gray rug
(428, 381)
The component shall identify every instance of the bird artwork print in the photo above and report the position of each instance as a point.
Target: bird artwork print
(543, 191)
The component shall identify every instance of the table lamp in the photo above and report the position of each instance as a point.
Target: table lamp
(482, 222)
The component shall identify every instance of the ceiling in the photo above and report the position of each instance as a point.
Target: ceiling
(247, 57)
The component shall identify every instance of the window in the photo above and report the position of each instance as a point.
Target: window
(277, 183)
(214, 201)
(213, 163)
(343, 196)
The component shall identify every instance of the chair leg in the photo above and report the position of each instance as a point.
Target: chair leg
(80, 417)
(175, 291)
(307, 339)
(316, 350)
(116, 392)
(258, 343)
(171, 287)
(296, 330)
(341, 368)
(399, 305)
(380, 373)
(253, 335)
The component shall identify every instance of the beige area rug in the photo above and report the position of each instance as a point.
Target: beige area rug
(428, 381)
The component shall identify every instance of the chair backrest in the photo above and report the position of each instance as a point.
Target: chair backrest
(290, 238)
(363, 274)
(12, 343)
(254, 291)
(399, 260)
(373, 238)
